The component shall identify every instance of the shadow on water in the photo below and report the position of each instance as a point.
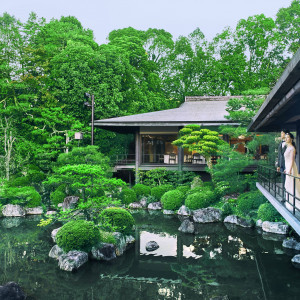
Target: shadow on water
(218, 260)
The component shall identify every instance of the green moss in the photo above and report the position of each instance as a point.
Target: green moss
(78, 235)
(200, 200)
(141, 190)
(117, 218)
(159, 190)
(266, 212)
(172, 200)
(128, 196)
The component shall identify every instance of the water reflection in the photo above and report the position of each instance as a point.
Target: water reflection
(217, 261)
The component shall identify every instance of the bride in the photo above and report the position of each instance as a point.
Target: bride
(291, 169)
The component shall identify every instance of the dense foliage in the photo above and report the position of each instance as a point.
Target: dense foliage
(172, 200)
(158, 191)
(199, 200)
(248, 201)
(266, 212)
(78, 235)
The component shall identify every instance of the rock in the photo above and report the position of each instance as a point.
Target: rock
(55, 252)
(135, 205)
(34, 211)
(103, 251)
(54, 233)
(143, 202)
(11, 210)
(220, 298)
(11, 291)
(155, 206)
(168, 212)
(296, 261)
(187, 226)
(70, 202)
(275, 227)
(259, 223)
(10, 222)
(59, 205)
(233, 219)
(51, 212)
(184, 211)
(72, 260)
(291, 244)
(124, 242)
(151, 246)
(273, 236)
(207, 215)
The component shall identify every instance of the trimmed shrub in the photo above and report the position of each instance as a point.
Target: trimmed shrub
(57, 197)
(128, 196)
(172, 200)
(198, 189)
(200, 200)
(120, 219)
(141, 190)
(19, 182)
(249, 201)
(227, 209)
(183, 188)
(266, 212)
(158, 191)
(34, 199)
(78, 235)
(107, 237)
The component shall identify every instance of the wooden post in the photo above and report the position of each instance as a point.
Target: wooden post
(180, 158)
(137, 155)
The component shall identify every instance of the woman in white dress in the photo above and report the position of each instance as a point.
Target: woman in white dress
(291, 169)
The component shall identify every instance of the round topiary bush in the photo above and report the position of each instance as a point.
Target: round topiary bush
(141, 190)
(57, 197)
(249, 201)
(266, 212)
(159, 190)
(34, 199)
(172, 200)
(118, 218)
(78, 235)
(199, 200)
(128, 196)
(198, 189)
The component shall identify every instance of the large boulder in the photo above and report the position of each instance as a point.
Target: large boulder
(11, 291)
(275, 227)
(135, 205)
(103, 251)
(34, 210)
(207, 215)
(11, 210)
(155, 206)
(123, 242)
(296, 261)
(152, 246)
(56, 252)
(143, 202)
(72, 260)
(291, 244)
(259, 223)
(233, 219)
(70, 202)
(54, 233)
(184, 211)
(187, 226)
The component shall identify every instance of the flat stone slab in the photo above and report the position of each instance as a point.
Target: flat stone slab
(34, 210)
(168, 212)
(207, 215)
(135, 205)
(51, 212)
(275, 227)
(233, 219)
(72, 260)
(11, 210)
(155, 206)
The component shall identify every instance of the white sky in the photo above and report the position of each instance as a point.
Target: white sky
(179, 17)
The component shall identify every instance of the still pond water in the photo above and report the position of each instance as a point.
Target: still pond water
(217, 261)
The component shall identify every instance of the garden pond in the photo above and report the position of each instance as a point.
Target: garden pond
(219, 260)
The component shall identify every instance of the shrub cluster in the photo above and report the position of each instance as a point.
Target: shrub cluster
(128, 196)
(172, 200)
(158, 191)
(183, 188)
(141, 190)
(117, 218)
(200, 199)
(57, 197)
(266, 212)
(78, 235)
(249, 201)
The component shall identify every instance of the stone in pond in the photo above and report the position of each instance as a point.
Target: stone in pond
(11, 291)
(275, 227)
(187, 226)
(151, 246)
(103, 251)
(72, 260)
(296, 261)
(11, 210)
(291, 244)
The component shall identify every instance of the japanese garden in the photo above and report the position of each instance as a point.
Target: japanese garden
(149, 167)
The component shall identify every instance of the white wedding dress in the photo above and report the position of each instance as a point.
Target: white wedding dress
(289, 156)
